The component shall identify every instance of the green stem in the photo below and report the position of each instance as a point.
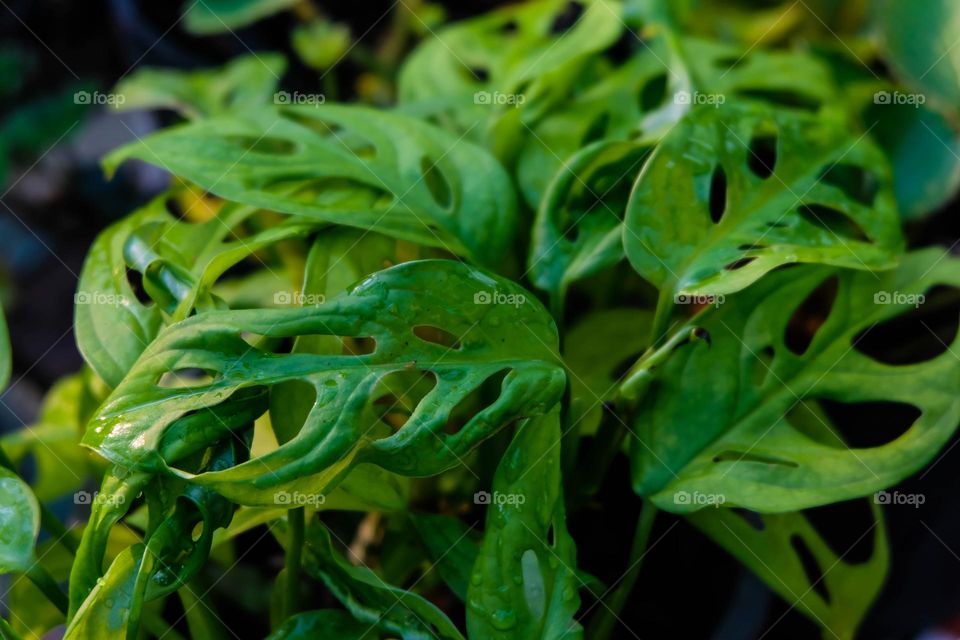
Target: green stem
(48, 586)
(48, 520)
(607, 617)
(638, 377)
(7, 632)
(661, 317)
(293, 561)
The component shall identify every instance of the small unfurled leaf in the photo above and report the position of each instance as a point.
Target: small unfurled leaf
(524, 583)
(19, 523)
(795, 339)
(579, 226)
(733, 192)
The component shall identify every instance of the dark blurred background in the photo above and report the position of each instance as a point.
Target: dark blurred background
(55, 198)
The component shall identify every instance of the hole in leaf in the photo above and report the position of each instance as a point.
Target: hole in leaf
(762, 365)
(918, 335)
(624, 47)
(436, 335)
(333, 133)
(135, 280)
(729, 62)
(358, 346)
(472, 403)
(653, 93)
(751, 247)
(175, 209)
(267, 145)
(436, 183)
(197, 532)
(718, 193)
(810, 566)
(509, 27)
(331, 192)
(842, 526)
(863, 425)
(290, 403)
(783, 98)
(480, 74)
(187, 378)
(269, 344)
(810, 316)
(834, 222)
(399, 393)
(752, 518)
(597, 129)
(568, 17)
(762, 154)
(857, 183)
(739, 264)
(746, 456)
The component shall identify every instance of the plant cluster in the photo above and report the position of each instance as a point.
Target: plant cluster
(416, 338)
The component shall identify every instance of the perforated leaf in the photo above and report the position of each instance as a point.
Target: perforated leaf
(741, 436)
(141, 424)
(834, 593)
(734, 192)
(350, 166)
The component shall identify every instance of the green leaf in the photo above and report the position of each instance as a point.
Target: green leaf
(924, 151)
(208, 17)
(918, 41)
(325, 623)
(738, 436)
(113, 605)
(321, 44)
(350, 166)
(371, 600)
(451, 546)
(474, 319)
(523, 55)
(579, 230)
(19, 523)
(524, 584)
(596, 350)
(827, 200)
(838, 597)
(179, 263)
(245, 82)
(61, 466)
